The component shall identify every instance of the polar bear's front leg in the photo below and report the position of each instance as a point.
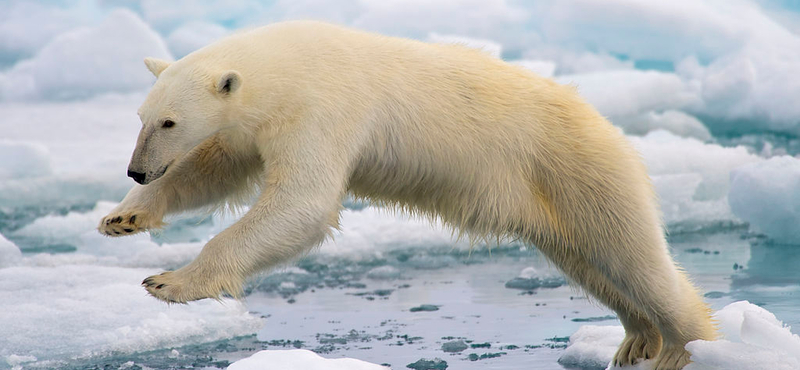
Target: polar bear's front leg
(300, 204)
(209, 174)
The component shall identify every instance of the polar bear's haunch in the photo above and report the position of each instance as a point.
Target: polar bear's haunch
(302, 113)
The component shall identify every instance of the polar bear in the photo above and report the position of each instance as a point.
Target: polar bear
(296, 115)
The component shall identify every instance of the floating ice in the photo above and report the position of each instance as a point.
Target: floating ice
(592, 346)
(753, 339)
(88, 61)
(765, 194)
(78, 310)
(299, 359)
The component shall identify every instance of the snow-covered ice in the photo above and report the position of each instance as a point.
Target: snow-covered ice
(74, 310)
(300, 359)
(752, 339)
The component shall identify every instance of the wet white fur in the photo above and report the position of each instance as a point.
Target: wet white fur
(441, 130)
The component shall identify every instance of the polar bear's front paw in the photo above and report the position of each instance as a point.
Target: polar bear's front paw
(173, 287)
(126, 223)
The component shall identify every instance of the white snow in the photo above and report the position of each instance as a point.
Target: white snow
(752, 339)
(88, 61)
(299, 359)
(767, 195)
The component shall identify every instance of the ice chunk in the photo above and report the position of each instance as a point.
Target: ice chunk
(64, 229)
(26, 26)
(753, 338)
(23, 160)
(765, 194)
(98, 310)
(299, 359)
(626, 93)
(569, 62)
(676, 122)
(592, 346)
(490, 47)
(691, 177)
(88, 61)
(374, 229)
(192, 36)
(9, 253)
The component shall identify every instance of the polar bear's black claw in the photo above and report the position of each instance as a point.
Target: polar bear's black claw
(133, 219)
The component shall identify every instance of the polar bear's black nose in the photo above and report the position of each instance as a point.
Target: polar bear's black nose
(138, 177)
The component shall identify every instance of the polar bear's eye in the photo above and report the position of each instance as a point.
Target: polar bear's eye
(168, 123)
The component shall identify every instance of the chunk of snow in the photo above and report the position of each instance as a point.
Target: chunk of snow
(691, 177)
(88, 61)
(9, 253)
(765, 194)
(753, 339)
(299, 359)
(374, 229)
(569, 62)
(592, 346)
(626, 93)
(23, 159)
(26, 26)
(676, 122)
(99, 310)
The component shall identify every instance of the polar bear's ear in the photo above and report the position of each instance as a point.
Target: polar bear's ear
(229, 82)
(156, 65)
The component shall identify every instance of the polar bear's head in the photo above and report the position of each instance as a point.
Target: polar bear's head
(185, 107)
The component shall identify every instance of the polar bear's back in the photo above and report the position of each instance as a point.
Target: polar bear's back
(445, 117)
